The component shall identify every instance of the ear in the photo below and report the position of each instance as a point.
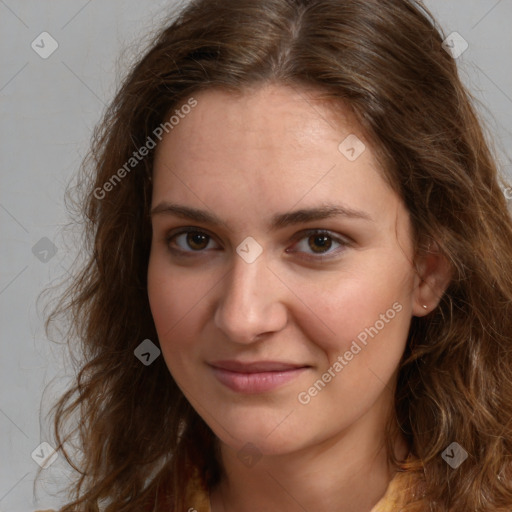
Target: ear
(433, 276)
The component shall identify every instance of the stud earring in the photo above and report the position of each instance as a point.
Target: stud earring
(425, 306)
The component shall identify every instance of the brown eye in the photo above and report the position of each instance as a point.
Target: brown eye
(197, 241)
(189, 241)
(320, 243)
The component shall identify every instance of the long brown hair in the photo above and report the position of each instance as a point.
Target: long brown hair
(136, 432)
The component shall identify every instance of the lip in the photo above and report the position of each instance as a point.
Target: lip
(257, 376)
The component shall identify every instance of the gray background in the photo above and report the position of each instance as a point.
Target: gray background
(48, 110)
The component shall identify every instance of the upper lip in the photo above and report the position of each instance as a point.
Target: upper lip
(256, 366)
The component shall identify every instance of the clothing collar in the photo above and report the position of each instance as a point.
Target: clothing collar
(395, 497)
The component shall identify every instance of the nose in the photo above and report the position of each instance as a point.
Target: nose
(251, 303)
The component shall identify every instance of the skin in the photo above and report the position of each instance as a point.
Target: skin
(245, 158)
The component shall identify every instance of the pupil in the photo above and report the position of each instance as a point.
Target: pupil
(322, 241)
(197, 240)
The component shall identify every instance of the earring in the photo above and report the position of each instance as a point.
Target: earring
(425, 306)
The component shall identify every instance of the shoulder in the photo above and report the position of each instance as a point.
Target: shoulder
(399, 491)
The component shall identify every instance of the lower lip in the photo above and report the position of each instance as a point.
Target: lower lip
(255, 382)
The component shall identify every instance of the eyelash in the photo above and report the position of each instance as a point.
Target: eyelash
(303, 235)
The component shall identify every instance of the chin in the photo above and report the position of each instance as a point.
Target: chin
(249, 436)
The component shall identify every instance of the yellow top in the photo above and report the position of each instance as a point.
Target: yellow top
(394, 498)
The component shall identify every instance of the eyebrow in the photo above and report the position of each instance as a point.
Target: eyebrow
(278, 221)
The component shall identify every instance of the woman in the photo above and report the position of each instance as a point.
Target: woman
(299, 290)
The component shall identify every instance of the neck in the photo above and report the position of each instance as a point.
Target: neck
(348, 472)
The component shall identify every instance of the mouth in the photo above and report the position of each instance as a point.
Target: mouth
(257, 376)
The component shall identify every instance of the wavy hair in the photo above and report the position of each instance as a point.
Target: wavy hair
(386, 61)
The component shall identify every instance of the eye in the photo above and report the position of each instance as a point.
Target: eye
(189, 240)
(318, 242)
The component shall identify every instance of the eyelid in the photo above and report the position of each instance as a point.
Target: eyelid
(344, 241)
(187, 229)
(322, 231)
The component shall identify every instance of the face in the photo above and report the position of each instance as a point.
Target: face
(280, 276)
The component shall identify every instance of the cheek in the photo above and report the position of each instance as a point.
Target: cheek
(368, 319)
(370, 306)
(172, 297)
(170, 318)
(178, 298)
(174, 292)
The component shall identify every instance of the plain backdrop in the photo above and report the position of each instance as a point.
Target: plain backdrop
(49, 107)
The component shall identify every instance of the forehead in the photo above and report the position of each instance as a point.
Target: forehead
(274, 146)
(271, 117)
